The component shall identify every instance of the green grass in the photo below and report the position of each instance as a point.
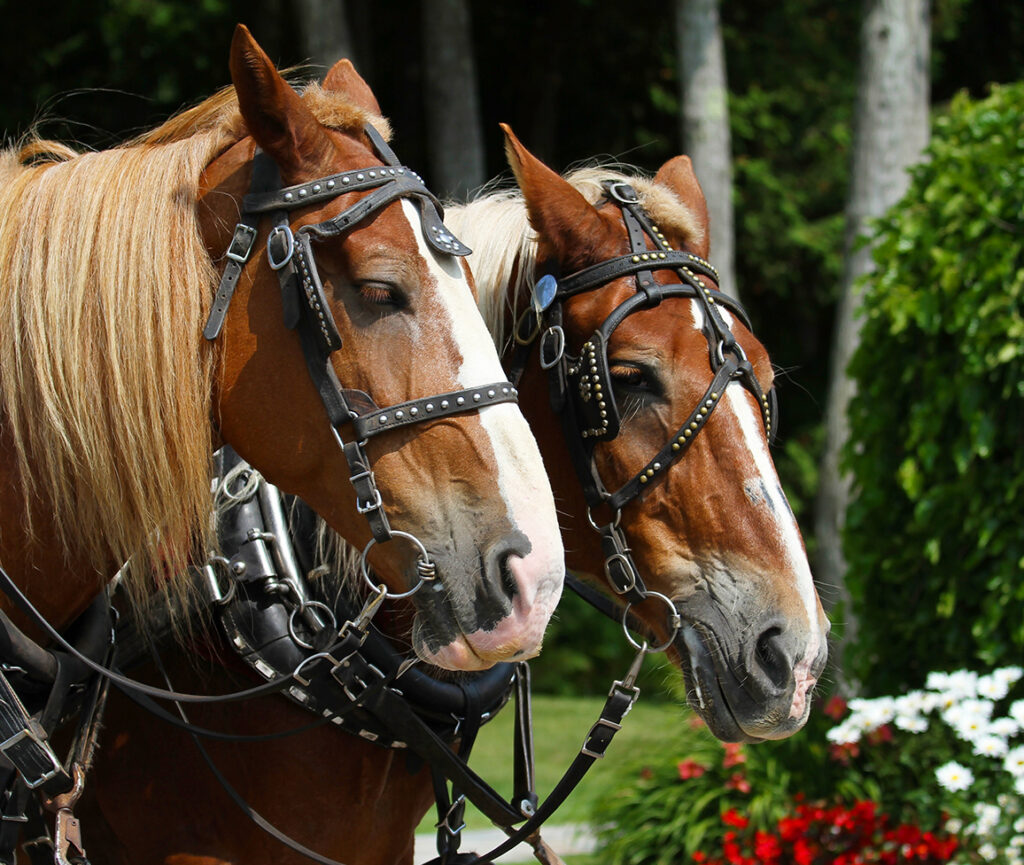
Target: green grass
(559, 727)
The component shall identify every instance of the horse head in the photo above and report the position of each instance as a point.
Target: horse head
(394, 383)
(670, 399)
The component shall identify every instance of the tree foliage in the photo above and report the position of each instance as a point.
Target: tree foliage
(933, 535)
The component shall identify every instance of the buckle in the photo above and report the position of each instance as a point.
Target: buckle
(601, 722)
(623, 193)
(445, 824)
(289, 246)
(241, 243)
(40, 742)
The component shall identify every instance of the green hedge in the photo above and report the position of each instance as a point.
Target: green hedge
(934, 536)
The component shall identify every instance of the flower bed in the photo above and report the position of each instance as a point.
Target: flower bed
(931, 776)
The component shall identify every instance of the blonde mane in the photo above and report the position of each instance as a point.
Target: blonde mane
(495, 225)
(105, 378)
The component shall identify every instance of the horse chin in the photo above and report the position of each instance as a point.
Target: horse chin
(714, 692)
(469, 652)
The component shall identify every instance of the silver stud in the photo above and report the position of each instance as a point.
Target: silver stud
(429, 407)
(330, 184)
(288, 196)
(383, 418)
(460, 400)
(414, 411)
(399, 415)
(476, 397)
(490, 393)
(346, 179)
(444, 403)
(303, 192)
(316, 187)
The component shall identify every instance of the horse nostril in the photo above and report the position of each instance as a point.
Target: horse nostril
(772, 659)
(509, 584)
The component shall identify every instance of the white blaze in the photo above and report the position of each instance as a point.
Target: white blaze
(786, 530)
(522, 481)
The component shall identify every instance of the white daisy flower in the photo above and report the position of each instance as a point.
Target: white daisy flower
(988, 851)
(990, 746)
(954, 777)
(993, 687)
(911, 723)
(1014, 763)
(1005, 727)
(1017, 711)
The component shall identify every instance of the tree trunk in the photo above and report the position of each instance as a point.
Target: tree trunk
(891, 129)
(704, 122)
(325, 33)
(454, 138)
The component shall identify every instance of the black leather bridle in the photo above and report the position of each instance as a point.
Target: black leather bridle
(581, 388)
(306, 308)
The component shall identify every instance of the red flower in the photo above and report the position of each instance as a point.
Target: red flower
(844, 753)
(738, 781)
(690, 769)
(835, 707)
(734, 818)
(880, 735)
(734, 755)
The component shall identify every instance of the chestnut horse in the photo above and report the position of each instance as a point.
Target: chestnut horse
(113, 270)
(712, 533)
(677, 477)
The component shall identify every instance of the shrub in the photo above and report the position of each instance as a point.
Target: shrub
(935, 552)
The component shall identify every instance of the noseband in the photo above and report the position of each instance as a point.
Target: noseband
(307, 310)
(581, 387)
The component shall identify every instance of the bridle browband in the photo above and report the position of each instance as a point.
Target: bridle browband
(306, 309)
(581, 387)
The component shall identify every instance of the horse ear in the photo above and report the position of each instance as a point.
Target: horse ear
(678, 175)
(273, 112)
(567, 223)
(343, 78)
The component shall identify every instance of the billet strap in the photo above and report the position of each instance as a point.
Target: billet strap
(265, 176)
(25, 744)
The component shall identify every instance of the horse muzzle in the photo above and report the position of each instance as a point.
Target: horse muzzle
(501, 615)
(749, 689)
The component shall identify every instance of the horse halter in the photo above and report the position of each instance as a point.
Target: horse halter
(581, 386)
(306, 309)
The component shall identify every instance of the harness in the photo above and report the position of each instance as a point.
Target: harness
(581, 391)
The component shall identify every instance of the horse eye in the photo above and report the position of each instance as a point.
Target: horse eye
(382, 294)
(630, 377)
